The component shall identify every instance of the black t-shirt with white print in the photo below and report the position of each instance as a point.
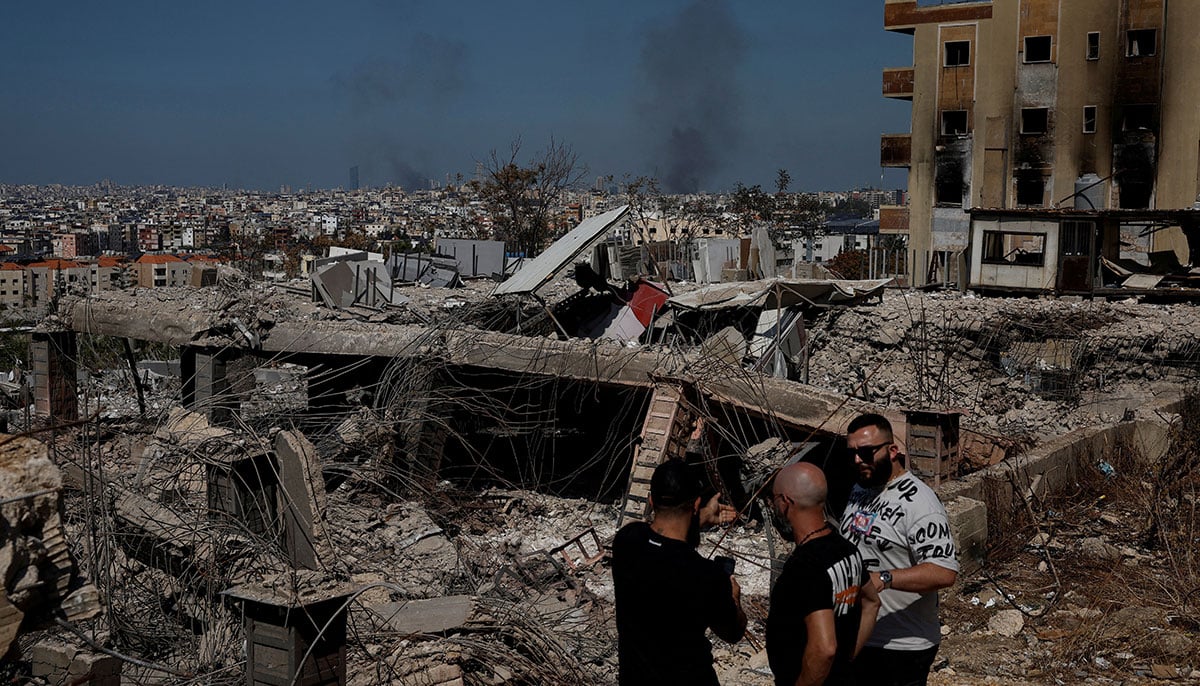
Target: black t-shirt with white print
(825, 573)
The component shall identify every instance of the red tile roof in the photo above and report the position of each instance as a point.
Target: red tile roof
(56, 264)
(157, 259)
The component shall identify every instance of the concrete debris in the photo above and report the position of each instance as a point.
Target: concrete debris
(430, 616)
(452, 469)
(39, 574)
(302, 492)
(1007, 623)
(61, 664)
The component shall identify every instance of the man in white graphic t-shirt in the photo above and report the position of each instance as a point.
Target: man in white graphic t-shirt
(901, 529)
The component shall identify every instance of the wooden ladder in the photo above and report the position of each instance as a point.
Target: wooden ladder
(663, 435)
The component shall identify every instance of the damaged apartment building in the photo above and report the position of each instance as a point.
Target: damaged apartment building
(1054, 147)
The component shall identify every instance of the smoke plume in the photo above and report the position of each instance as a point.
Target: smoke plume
(690, 104)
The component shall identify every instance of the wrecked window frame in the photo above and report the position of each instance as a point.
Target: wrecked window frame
(956, 53)
(1141, 42)
(955, 123)
(1030, 121)
(1043, 45)
(1014, 248)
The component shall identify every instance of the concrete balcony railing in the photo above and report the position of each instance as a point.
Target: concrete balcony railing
(893, 219)
(895, 150)
(904, 16)
(898, 83)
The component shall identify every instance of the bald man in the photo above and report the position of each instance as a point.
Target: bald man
(822, 608)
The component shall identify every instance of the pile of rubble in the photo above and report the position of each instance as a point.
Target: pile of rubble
(1015, 367)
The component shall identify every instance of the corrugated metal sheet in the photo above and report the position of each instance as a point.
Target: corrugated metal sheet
(541, 269)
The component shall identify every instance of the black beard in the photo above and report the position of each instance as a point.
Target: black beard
(879, 475)
(783, 526)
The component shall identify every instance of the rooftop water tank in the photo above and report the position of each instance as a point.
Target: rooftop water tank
(1090, 192)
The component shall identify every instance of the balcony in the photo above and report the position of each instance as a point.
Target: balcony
(898, 83)
(893, 219)
(903, 16)
(895, 150)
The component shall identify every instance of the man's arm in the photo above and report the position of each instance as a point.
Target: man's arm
(820, 649)
(733, 632)
(870, 604)
(923, 578)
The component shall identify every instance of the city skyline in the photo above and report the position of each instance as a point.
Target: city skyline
(701, 94)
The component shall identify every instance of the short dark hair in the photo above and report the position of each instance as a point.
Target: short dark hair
(674, 485)
(870, 419)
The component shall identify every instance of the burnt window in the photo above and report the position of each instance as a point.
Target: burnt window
(1035, 120)
(1089, 119)
(1137, 118)
(954, 123)
(1037, 49)
(1093, 45)
(1141, 42)
(1031, 189)
(1002, 247)
(950, 180)
(958, 53)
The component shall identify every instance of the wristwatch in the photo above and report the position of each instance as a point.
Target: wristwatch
(886, 577)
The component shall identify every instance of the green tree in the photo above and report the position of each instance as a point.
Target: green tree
(522, 198)
(751, 204)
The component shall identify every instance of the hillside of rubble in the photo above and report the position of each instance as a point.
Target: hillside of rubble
(494, 573)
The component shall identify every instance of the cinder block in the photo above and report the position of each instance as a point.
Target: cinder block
(968, 525)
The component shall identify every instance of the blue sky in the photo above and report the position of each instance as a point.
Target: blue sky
(701, 93)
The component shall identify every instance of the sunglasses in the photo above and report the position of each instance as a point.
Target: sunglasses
(866, 453)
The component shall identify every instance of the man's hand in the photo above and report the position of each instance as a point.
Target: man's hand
(875, 582)
(737, 591)
(716, 513)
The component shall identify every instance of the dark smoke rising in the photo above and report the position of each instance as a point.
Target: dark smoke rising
(424, 82)
(433, 73)
(691, 100)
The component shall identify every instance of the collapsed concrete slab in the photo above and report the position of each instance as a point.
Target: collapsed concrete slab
(39, 576)
(303, 501)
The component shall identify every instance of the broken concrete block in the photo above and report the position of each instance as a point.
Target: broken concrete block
(431, 616)
(36, 569)
(59, 663)
(302, 500)
(187, 429)
(968, 525)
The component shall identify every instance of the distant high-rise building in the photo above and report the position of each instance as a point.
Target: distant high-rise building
(1025, 108)
(354, 178)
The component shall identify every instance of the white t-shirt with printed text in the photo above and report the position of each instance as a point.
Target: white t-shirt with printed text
(897, 527)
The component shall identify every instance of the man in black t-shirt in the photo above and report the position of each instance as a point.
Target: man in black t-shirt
(822, 611)
(667, 594)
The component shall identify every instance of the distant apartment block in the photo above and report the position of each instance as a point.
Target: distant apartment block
(162, 271)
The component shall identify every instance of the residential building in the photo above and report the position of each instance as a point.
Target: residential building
(162, 271)
(12, 285)
(1027, 107)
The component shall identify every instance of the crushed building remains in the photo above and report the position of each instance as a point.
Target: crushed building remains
(420, 489)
